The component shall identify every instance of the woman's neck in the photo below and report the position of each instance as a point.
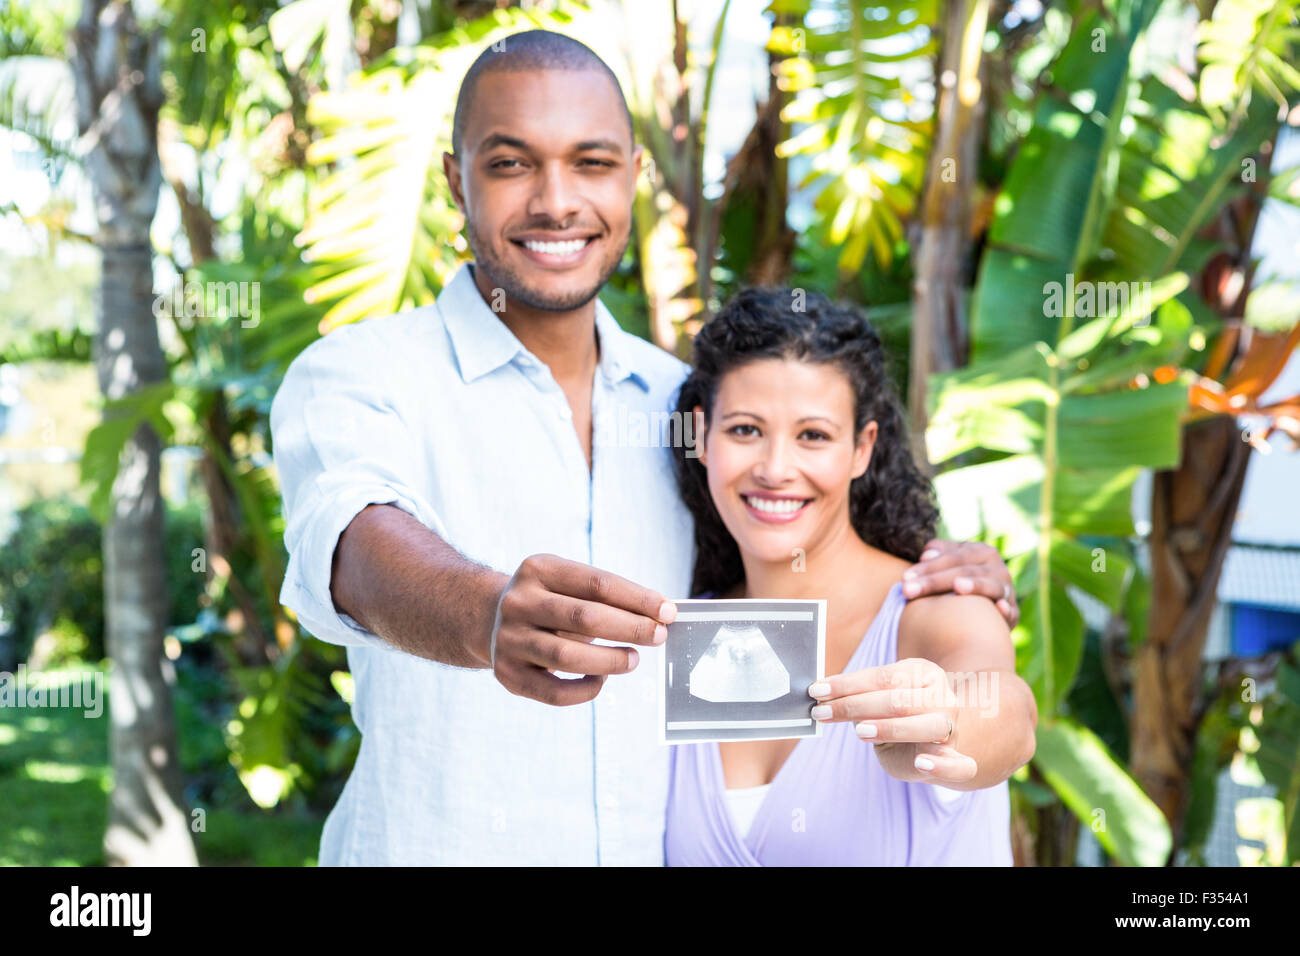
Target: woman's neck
(831, 570)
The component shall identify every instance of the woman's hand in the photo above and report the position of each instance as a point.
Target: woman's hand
(909, 711)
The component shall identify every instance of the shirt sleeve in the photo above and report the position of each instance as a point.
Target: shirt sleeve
(340, 443)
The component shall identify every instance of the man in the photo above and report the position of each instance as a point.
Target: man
(463, 518)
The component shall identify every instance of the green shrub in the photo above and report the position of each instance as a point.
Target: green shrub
(52, 570)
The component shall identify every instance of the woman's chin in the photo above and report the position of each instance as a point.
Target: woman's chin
(770, 547)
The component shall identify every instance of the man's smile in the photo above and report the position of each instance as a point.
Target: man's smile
(556, 251)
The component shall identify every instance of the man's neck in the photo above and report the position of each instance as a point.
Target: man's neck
(564, 341)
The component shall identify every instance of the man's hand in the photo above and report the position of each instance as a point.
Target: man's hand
(966, 567)
(548, 616)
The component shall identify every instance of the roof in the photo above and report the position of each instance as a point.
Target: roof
(1266, 576)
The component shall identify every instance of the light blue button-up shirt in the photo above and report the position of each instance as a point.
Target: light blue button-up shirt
(443, 412)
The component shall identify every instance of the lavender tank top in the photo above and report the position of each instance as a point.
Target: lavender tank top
(831, 803)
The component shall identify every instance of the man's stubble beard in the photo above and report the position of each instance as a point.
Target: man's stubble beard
(508, 280)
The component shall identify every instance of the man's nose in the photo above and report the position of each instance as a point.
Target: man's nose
(556, 197)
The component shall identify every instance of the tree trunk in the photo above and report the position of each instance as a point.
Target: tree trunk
(118, 97)
(1192, 512)
(1193, 509)
(939, 329)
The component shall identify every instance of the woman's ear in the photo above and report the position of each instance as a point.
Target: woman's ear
(697, 433)
(862, 450)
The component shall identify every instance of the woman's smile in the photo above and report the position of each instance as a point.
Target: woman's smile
(772, 508)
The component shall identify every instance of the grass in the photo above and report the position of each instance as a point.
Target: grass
(54, 787)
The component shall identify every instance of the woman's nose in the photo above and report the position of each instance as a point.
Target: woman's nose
(776, 464)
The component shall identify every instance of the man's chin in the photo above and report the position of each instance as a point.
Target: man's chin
(554, 300)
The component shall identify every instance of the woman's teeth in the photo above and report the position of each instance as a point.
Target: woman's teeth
(776, 506)
(556, 248)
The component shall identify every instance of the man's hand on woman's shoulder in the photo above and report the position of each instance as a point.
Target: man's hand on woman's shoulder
(963, 567)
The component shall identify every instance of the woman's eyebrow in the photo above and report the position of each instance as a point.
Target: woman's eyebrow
(737, 413)
(817, 418)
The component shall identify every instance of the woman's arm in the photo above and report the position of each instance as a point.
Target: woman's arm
(956, 662)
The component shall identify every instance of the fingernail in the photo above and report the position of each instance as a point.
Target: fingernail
(661, 634)
(866, 730)
(912, 588)
(924, 763)
(963, 585)
(633, 658)
(927, 555)
(668, 612)
(909, 574)
(819, 689)
(821, 712)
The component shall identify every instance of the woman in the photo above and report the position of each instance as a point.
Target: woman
(804, 488)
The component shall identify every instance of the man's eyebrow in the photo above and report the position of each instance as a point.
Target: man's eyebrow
(609, 145)
(501, 139)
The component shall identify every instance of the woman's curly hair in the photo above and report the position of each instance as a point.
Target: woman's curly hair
(892, 506)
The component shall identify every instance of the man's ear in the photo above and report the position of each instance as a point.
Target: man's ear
(862, 450)
(698, 431)
(451, 169)
(638, 158)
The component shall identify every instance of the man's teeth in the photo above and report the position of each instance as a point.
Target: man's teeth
(556, 248)
(776, 506)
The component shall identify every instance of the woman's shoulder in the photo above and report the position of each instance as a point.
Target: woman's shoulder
(941, 619)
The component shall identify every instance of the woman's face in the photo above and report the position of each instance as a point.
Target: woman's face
(780, 453)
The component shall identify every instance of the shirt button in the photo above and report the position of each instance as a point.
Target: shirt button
(609, 801)
(564, 412)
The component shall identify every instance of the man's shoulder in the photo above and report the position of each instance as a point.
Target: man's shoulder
(660, 369)
(387, 335)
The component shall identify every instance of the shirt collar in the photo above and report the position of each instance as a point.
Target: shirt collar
(483, 343)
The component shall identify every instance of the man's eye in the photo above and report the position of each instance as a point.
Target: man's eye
(503, 163)
(597, 162)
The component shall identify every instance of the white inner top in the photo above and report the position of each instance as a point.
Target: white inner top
(743, 802)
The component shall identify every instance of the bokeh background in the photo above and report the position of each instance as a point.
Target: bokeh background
(191, 193)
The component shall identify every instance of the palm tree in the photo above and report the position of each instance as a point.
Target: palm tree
(119, 93)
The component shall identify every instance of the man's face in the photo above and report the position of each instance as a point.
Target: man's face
(546, 179)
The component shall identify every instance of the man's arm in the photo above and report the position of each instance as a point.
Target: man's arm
(371, 562)
(400, 580)
(395, 577)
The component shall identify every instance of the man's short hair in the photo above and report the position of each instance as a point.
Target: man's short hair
(530, 50)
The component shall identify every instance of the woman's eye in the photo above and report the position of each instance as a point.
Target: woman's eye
(742, 431)
(814, 435)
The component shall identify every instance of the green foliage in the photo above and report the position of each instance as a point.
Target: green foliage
(850, 65)
(55, 777)
(51, 574)
(1248, 45)
(1278, 757)
(1083, 772)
